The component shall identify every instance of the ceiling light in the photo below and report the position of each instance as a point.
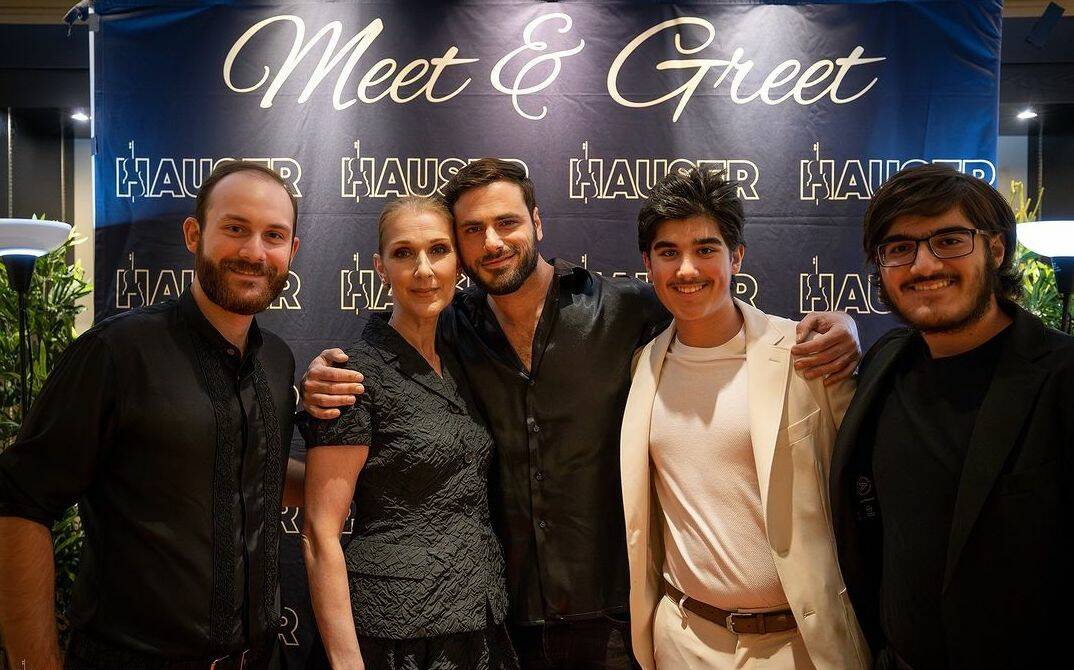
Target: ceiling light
(1027, 114)
(81, 116)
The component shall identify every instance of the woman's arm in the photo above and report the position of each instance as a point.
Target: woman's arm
(331, 473)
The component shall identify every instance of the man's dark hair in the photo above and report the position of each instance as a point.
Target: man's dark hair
(201, 205)
(485, 171)
(697, 192)
(931, 190)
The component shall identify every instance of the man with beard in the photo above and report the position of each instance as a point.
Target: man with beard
(547, 349)
(951, 476)
(170, 426)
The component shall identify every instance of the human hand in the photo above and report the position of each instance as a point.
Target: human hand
(827, 346)
(325, 387)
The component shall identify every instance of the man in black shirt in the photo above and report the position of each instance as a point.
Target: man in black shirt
(547, 347)
(170, 426)
(951, 477)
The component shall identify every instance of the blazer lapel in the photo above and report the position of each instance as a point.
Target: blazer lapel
(1010, 398)
(767, 368)
(634, 441)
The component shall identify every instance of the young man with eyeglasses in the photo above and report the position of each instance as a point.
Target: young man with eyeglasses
(951, 477)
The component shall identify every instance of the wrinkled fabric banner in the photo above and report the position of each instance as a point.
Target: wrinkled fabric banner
(809, 106)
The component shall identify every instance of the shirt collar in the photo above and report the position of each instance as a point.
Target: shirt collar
(193, 315)
(397, 352)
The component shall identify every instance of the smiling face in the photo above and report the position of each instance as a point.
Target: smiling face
(497, 236)
(936, 295)
(417, 258)
(243, 248)
(691, 267)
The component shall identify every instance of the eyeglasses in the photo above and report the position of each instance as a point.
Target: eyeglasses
(944, 244)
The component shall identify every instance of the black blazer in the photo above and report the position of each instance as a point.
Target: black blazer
(1008, 581)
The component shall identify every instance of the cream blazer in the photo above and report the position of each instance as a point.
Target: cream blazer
(793, 423)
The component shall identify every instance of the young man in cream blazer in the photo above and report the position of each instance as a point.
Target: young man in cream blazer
(725, 455)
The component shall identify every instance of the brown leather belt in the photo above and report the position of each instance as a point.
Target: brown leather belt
(752, 623)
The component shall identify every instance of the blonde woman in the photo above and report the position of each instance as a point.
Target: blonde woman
(421, 585)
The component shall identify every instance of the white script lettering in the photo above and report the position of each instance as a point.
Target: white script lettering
(382, 71)
(556, 57)
(738, 69)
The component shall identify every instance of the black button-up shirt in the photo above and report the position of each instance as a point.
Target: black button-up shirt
(175, 449)
(555, 488)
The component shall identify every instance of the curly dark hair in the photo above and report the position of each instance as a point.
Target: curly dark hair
(698, 191)
(931, 190)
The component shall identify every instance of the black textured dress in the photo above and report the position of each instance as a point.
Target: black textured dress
(426, 571)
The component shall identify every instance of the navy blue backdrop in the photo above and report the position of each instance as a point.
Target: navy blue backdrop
(809, 105)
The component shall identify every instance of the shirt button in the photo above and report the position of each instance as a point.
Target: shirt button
(469, 458)
(533, 382)
(542, 524)
(539, 476)
(231, 352)
(536, 428)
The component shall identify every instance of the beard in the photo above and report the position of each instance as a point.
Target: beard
(511, 279)
(986, 286)
(213, 279)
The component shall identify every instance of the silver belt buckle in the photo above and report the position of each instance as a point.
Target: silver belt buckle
(729, 623)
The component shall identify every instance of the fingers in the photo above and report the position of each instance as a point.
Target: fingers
(837, 366)
(823, 350)
(805, 326)
(824, 335)
(313, 386)
(334, 375)
(845, 373)
(322, 412)
(323, 401)
(334, 355)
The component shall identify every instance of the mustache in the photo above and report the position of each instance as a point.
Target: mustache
(506, 251)
(923, 280)
(245, 266)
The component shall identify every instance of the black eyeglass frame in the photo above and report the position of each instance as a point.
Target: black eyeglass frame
(974, 232)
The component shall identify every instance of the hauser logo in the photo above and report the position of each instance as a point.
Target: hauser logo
(633, 179)
(825, 291)
(136, 286)
(857, 179)
(391, 176)
(169, 177)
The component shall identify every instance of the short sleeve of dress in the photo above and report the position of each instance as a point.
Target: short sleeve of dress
(354, 425)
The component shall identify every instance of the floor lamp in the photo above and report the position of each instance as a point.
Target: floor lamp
(22, 241)
(1054, 239)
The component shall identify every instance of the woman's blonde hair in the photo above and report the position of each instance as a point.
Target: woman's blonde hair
(413, 204)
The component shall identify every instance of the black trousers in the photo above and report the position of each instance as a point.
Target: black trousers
(590, 644)
(89, 654)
